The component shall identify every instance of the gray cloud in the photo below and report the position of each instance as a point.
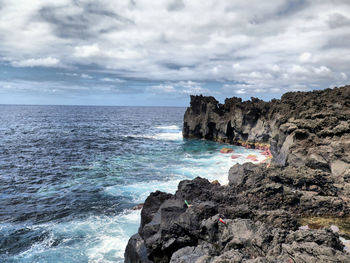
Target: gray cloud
(342, 41)
(292, 7)
(176, 5)
(337, 20)
(89, 20)
(280, 43)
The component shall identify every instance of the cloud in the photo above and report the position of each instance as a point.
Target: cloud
(85, 76)
(162, 89)
(337, 20)
(86, 51)
(305, 57)
(322, 71)
(240, 91)
(116, 80)
(78, 75)
(180, 88)
(176, 5)
(277, 43)
(37, 62)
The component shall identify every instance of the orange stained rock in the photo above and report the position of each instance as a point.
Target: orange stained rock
(215, 182)
(251, 156)
(235, 156)
(226, 150)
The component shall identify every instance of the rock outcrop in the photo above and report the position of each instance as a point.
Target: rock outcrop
(303, 128)
(256, 218)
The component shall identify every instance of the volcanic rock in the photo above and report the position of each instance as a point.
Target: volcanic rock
(261, 207)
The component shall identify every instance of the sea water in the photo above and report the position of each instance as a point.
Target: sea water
(70, 176)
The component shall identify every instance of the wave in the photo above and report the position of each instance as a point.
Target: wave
(94, 239)
(165, 136)
(169, 127)
(164, 133)
(215, 166)
(139, 191)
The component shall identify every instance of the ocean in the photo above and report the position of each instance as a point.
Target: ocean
(70, 176)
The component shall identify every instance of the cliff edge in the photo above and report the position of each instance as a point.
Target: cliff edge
(303, 128)
(297, 210)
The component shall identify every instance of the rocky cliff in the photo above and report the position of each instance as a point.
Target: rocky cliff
(303, 128)
(257, 217)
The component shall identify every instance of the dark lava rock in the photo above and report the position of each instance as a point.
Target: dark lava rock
(255, 218)
(303, 128)
(135, 251)
(260, 213)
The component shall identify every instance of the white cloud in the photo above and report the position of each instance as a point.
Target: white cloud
(305, 57)
(275, 68)
(112, 80)
(37, 62)
(162, 89)
(241, 91)
(275, 90)
(236, 66)
(274, 44)
(297, 70)
(323, 71)
(86, 51)
(179, 88)
(85, 76)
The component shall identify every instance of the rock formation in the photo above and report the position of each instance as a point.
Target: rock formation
(303, 128)
(256, 218)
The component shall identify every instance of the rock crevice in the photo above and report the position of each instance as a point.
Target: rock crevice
(257, 217)
(303, 128)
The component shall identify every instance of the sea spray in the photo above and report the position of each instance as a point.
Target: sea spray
(75, 203)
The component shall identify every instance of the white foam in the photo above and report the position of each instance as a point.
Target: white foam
(170, 127)
(94, 239)
(166, 136)
(215, 166)
(139, 191)
(112, 235)
(104, 238)
(167, 133)
(346, 243)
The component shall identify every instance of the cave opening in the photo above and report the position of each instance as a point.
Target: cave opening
(229, 131)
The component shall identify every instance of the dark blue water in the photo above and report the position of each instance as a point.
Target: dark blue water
(69, 176)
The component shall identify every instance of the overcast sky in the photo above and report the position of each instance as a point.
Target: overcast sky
(141, 52)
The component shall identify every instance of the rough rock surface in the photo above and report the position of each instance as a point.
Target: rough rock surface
(255, 217)
(303, 128)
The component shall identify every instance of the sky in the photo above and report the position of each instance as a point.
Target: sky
(157, 53)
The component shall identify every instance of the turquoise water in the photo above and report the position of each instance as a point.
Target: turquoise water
(71, 175)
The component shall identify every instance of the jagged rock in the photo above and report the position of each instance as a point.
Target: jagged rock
(198, 254)
(238, 174)
(135, 251)
(259, 212)
(151, 205)
(295, 126)
(261, 207)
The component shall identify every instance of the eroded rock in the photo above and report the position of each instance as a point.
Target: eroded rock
(256, 217)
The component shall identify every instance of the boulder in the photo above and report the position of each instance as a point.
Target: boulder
(256, 218)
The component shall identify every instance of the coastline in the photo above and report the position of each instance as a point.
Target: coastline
(257, 217)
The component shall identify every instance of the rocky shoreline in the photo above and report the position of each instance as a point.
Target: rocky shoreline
(258, 217)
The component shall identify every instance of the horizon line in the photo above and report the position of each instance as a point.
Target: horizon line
(87, 105)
